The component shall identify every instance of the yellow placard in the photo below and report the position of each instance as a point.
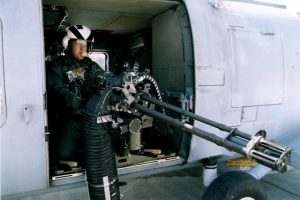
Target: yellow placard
(240, 163)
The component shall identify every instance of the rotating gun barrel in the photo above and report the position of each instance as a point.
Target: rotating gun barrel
(255, 147)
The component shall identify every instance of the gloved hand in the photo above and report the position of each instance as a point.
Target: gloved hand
(113, 80)
(109, 80)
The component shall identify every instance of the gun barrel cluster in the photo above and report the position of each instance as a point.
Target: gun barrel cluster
(254, 147)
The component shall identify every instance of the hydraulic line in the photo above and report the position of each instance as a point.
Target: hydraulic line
(153, 82)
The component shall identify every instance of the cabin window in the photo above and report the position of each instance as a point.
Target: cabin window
(101, 58)
(2, 86)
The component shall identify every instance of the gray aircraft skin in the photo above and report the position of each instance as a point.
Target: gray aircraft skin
(236, 62)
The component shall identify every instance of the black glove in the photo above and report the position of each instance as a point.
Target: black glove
(109, 80)
(114, 81)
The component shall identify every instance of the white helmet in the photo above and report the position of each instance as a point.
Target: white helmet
(78, 32)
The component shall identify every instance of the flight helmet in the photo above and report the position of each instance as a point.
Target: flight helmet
(78, 32)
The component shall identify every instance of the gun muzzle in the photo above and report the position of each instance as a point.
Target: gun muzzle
(268, 153)
(270, 161)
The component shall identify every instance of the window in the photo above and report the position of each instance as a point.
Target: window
(101, 58)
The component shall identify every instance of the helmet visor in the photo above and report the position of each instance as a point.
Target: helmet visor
(81, 42)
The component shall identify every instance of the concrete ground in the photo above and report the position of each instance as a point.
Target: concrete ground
(175, 182)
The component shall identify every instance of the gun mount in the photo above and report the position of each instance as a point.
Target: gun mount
(139, 97)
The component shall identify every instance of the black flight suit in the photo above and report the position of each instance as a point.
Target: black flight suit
(66, 97)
